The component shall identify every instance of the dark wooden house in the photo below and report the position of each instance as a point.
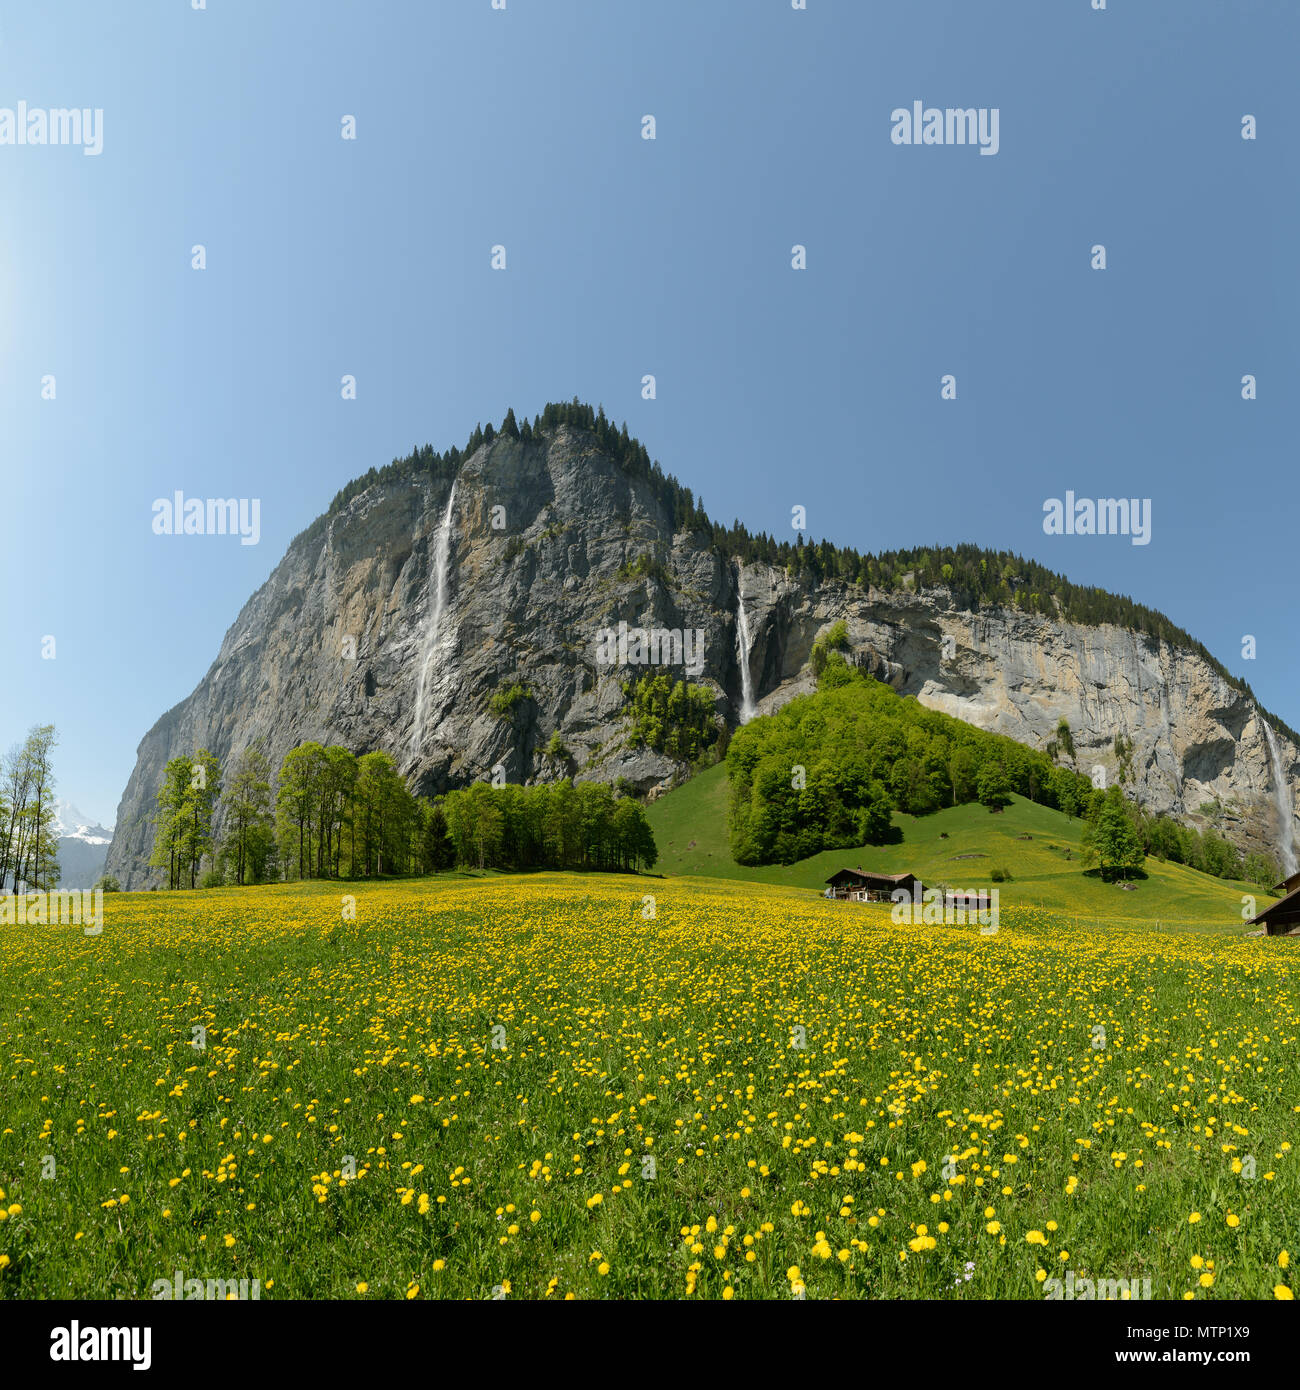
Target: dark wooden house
(1282, 917)
(857, 886)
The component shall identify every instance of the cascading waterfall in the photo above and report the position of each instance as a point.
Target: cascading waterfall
(441, 563)
(747, 710)
(1282, 804)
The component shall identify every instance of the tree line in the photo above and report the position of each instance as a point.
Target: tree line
(555, 825)
(328, 813)
(1207, 850)
(1120, 835)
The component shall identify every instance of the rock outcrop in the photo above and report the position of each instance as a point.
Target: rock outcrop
(550, 543)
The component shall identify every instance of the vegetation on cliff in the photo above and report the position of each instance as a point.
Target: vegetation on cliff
(672, 717)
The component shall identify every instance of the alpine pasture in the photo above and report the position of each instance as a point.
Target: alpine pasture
(555, 1086)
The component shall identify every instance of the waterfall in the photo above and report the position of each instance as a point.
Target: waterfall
(742, 655)
(441, 563)
(1282, 805)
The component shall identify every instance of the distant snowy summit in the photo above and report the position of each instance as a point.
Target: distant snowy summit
(71, 824)
(83, 846)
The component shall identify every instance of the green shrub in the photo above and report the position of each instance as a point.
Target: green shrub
(503, 703)
(835, 639)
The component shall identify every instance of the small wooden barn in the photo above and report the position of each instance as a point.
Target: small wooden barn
(1282, 917)
(968, 900)
(855, 885)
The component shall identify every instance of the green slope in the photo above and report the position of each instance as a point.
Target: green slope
(690, 828)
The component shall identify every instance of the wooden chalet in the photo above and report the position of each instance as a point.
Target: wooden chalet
(1288, 885)
(1282, 918)
(854, 885)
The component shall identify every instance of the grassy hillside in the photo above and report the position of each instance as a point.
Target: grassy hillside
(690, 827)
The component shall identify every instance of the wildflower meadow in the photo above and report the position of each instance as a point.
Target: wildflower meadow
(558, 1086)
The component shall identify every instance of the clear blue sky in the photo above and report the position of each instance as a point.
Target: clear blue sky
(776, 388)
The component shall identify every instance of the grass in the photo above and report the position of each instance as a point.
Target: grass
(690, 828)
(612, 1087)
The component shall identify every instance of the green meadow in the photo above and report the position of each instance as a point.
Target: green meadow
(1039, 848)
(616, 1086)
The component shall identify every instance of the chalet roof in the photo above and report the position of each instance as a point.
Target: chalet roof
(1288, 885)
(864, 875)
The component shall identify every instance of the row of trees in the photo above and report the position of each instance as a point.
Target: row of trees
(1208, 850)
(28, 838)
(555, 825)
(1120, 836)
(331, 814)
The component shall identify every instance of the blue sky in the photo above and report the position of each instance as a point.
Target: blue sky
(625, 257)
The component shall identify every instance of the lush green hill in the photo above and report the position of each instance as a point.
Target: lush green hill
(690, 828)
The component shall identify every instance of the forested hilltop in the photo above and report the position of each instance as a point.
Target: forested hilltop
(829, 770)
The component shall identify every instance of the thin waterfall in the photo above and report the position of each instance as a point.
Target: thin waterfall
(747, 710)
(432, 630)
(1281, 804)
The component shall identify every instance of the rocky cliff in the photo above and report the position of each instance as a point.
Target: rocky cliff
(393, 621)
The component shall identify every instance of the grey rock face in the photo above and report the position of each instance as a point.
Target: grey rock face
(529, 590)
